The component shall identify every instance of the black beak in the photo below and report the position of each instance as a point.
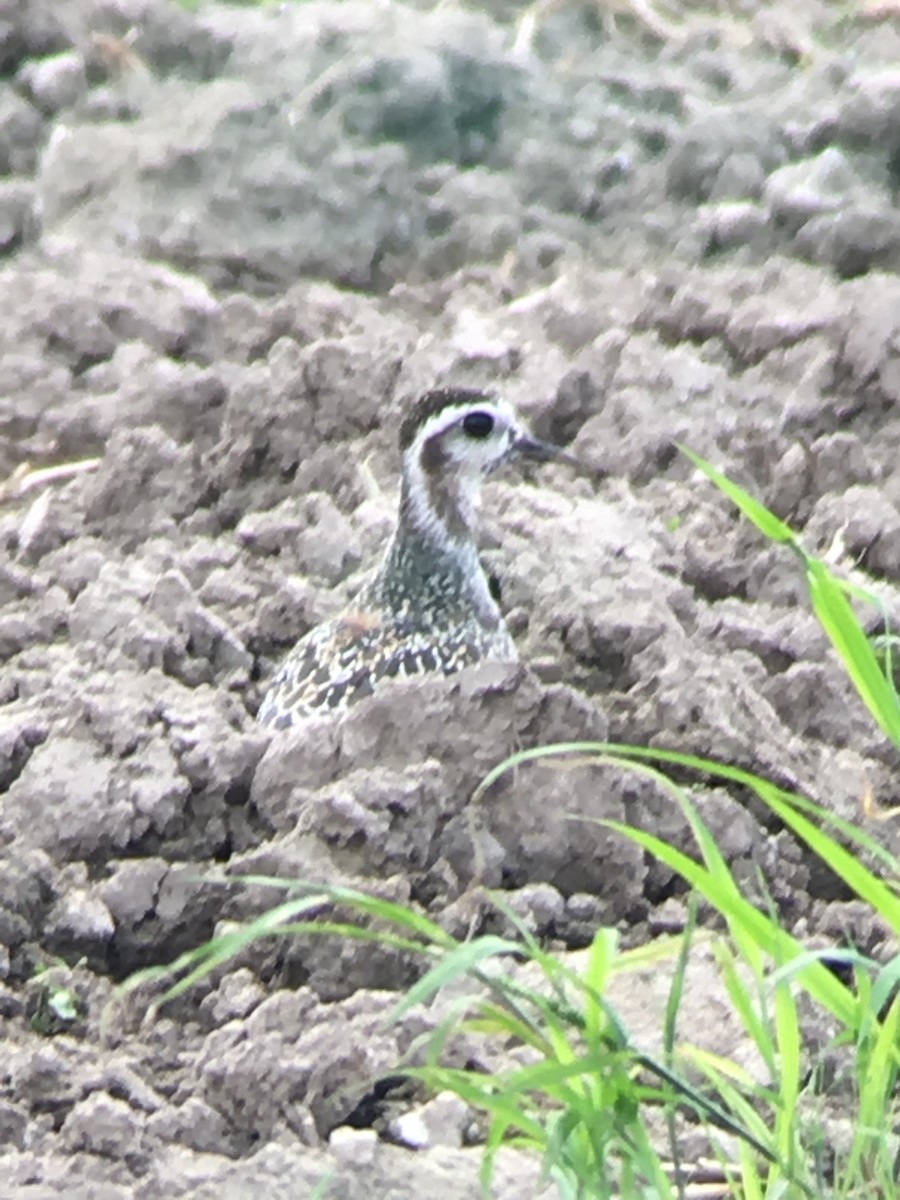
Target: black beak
(530, 447)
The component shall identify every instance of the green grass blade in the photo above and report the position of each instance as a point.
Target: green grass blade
(361, 902)
(320, 1191)
(787, 1026)
(883, 1065)
(833, 610)
(777, 944)
(462, 960)
(355, 933)
(766, 522)
(886, 983)
(837, 618)
(670, 1031)
(500, 1021)
(743, 1003)
(224, 947)
(601, 955)
(484, 1092)
(845, 864)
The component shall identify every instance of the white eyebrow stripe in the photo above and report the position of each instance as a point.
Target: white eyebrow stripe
(449, 416)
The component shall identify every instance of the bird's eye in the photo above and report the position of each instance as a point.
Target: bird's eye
(478, 425)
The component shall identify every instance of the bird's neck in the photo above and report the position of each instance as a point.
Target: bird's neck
(438, 507)
(433, 556)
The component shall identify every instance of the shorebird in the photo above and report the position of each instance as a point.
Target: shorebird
(429, 606)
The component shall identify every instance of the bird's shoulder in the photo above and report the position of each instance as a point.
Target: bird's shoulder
(344, 659)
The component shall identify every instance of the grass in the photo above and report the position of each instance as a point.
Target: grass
(605, 1117)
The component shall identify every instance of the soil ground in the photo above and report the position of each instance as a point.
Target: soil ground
(236, 243)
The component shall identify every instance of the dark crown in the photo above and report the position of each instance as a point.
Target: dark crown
(435, 402)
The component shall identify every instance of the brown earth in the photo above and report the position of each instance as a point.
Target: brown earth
(237, 243)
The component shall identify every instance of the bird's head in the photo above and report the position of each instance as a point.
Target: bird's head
(453, 439)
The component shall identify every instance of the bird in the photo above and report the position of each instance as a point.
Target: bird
(429, 606)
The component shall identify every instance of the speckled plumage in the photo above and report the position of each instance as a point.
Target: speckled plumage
(429, 606)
